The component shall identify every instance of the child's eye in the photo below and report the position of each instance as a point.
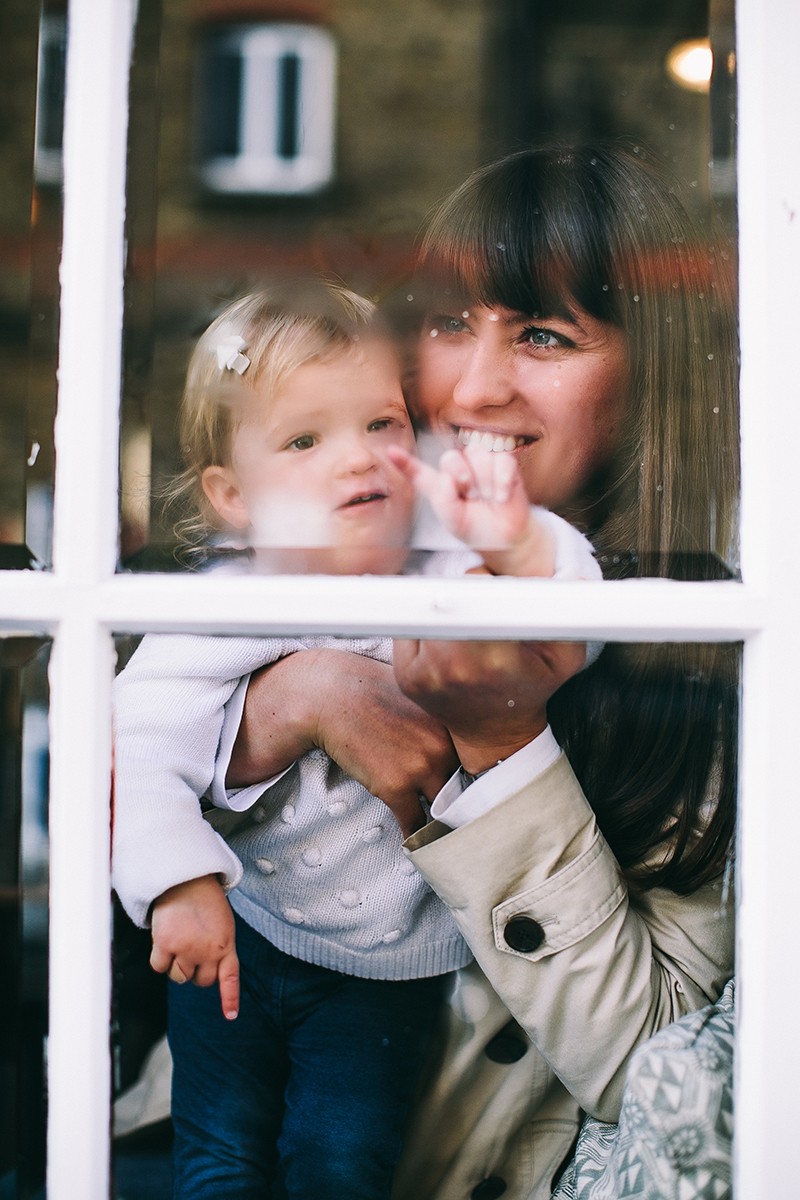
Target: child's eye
(304, 442)
(381, 423)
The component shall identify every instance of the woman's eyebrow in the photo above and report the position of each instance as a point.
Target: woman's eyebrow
(517, 317)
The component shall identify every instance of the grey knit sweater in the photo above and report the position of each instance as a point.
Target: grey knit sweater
(316, 865)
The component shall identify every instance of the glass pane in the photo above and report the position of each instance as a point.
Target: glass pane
(419, 106)
(31, 85)
(651, 733)
(23, 913)
(518, 74)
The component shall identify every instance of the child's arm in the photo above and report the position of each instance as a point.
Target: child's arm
(480, 497)
(168, 863)
(194, 939)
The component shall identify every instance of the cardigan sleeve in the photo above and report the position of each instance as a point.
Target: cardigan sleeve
(168, 710)
(587, 969)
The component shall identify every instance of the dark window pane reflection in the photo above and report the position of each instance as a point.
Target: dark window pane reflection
(23, 916)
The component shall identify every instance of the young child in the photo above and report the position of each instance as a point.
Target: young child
(296, 438)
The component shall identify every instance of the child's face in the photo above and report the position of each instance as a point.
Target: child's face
(309, 476)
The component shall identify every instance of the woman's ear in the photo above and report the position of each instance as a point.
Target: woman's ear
(222, 492)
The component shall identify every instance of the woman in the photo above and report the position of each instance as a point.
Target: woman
(584, 843)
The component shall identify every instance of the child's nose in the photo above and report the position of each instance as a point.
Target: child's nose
(358, 457)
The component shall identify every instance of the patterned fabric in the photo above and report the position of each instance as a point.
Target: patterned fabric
(675, 1132)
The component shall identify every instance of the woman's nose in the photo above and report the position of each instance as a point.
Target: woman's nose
(484, 379)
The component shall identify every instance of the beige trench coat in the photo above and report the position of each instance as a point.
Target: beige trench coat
(581, 972)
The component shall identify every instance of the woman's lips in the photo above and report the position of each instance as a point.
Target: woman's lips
(485, 439)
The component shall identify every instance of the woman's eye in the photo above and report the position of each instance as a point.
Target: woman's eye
(445, 323)
(542, 338)
(304, 442)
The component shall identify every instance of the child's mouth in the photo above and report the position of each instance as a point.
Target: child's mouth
(367, 498)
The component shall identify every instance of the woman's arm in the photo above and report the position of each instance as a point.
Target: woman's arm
(492, 696)
(587, 969)
(352, 708)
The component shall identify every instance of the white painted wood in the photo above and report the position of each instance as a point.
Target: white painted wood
(84, 554)
(633, 610)
(81, 601)
(768, 969)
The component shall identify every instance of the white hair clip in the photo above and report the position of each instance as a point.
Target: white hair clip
(229, 353)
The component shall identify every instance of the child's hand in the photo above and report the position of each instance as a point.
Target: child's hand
(194, 939)
(480, 497)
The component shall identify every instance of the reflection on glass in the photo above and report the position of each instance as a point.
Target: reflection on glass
(23, 914)
(32, 84)
(198, 241)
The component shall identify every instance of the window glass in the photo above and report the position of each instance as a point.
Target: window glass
(234, 177)
(685, 714)
(31, 86)
(408, 114)
(23, 912)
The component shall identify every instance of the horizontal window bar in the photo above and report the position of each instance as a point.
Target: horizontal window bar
(631, 610)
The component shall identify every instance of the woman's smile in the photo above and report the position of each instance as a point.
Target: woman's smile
(495, 442)
(551, 391)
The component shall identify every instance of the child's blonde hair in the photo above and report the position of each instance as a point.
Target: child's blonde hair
(253, 343)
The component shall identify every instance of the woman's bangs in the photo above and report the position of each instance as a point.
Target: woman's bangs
(525, 265)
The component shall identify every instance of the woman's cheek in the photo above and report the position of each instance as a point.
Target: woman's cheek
(436, 378)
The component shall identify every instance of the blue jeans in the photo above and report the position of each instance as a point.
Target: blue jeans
(305, 1094)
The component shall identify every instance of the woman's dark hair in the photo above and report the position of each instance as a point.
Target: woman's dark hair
(650, 730)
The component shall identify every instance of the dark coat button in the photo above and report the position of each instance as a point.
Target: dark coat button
(523, 934)
(506, 1048)
(489, 1189)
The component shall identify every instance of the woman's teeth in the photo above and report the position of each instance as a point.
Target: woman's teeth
(496, 442)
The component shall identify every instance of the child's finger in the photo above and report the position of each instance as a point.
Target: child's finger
(409, 464)
(455, 465)
(229, 986)
(176, 973)
(424, 477)
(505, 476)
(161, 960)
(485, 466)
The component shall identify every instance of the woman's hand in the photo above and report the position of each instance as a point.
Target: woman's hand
(492, 696)
(352, 708)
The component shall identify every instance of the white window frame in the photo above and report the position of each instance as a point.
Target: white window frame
(258, 167)
(82, 603)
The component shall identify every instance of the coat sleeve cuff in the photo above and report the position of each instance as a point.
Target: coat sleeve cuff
(536, 867)
(557, 907)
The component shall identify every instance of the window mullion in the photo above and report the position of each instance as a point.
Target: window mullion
(635, 610)
(84, 554)
(768, 34)
(78, 1059)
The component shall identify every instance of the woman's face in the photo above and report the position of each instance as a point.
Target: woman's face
(552, 392)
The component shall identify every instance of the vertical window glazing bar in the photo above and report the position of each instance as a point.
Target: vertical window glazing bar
(85, 549)
(768, 970)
